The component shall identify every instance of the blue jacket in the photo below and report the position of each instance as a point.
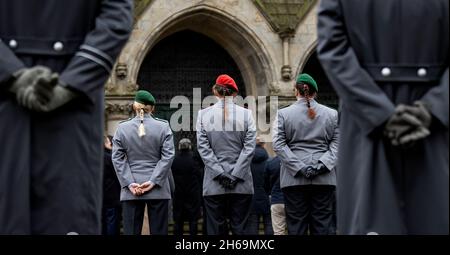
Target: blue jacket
(273, 177)
(260, 203)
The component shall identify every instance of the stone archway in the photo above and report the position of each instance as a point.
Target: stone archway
(178, 64)
(234, 36)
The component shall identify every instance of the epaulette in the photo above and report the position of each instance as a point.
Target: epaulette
(125, 120)
(162, 120)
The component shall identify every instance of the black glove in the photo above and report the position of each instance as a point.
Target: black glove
(306, 172)
(227, 180)
(59, 97)
(408, 124)
(320, 169)
(26, 79)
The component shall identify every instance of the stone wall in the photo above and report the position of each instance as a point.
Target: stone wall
(242, 27)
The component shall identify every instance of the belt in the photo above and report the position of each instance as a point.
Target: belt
(405, 73)
(42, 46)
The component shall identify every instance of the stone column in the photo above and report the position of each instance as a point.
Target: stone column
(286, 69)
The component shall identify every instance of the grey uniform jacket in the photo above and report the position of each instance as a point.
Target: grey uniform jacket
(140, 159)
(227, 149)
(301, 142)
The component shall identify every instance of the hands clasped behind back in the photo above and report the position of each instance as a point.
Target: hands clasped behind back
(408, 124)
(39, 89)
(141, 189)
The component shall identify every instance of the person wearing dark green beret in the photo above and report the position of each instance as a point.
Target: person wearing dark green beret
(142, 155)
(305, 137)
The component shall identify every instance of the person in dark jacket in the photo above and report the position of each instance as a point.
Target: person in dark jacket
(111, 212)
(55, 57)
(278, 214)
(187, 199)
(392, 81)
(260, 202)
(198, 160)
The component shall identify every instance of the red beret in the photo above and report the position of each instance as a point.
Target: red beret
(227, 82)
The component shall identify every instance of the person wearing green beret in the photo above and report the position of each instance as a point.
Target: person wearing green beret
(305, 137)
(142, 154)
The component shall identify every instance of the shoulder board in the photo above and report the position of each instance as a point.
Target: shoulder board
(162, 120)
(125, 120)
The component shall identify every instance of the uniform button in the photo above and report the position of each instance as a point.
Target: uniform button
(421, 72)
(58, 46)
(386, 71)
(13, 44)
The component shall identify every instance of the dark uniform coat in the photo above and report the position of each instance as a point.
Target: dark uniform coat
(378, 54)
(260, 202)
(188, 182)
(51, 164)
(111, 185)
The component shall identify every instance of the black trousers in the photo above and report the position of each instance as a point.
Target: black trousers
(158, 217)
(309, 207)
(234, 207)
(178, 227)
(253, 224)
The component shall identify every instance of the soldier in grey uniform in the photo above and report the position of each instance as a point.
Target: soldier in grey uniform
(305, 137)
(392, 79)
(143, 152)
(55, 57)
(226, 137)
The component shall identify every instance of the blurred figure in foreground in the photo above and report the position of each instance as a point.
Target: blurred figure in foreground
(392, 81)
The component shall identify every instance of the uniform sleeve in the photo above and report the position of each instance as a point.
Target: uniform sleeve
(437, 99)
(289, 160)
(244, 160)
(9, 64)
(329, 158)
(361, 97)
(120, 161)
(90, 67)
(204, 149)
(162, 168)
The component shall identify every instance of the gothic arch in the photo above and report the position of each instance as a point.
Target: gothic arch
(310, 49)
(233, 35)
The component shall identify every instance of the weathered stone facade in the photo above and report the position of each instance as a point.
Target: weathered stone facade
(270, 41)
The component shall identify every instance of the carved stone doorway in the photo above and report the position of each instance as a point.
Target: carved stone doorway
(180, 62)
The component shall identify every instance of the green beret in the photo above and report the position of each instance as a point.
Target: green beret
(144, 97)
(307, 79)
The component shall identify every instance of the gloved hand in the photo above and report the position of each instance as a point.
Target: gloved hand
(306, 172)
(318, 170)
(227, 180)
(408, 124)
(60, 96)
(25, 79)
(419, 110)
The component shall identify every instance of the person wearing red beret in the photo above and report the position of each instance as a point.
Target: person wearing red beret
(226, 137)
